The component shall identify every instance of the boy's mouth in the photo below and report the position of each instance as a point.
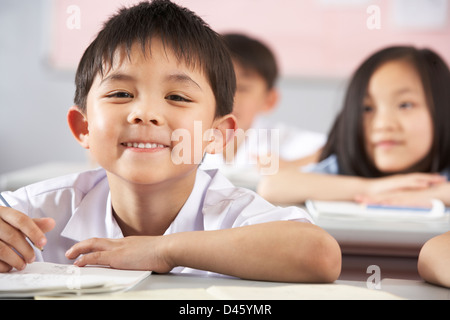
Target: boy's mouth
(143, 145)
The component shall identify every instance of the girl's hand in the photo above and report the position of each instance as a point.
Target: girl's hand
(137, 253)
(403, 182)
(416, 198)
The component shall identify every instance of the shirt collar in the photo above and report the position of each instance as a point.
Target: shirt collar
(93, 217)
(190, 217)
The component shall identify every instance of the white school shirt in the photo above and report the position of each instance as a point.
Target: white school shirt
(81, 206)
(292, 143)
(265, 139)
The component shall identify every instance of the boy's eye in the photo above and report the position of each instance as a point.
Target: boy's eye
(120, 94)
(177, 98)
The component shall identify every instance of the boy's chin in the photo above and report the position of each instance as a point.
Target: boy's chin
(157, 176)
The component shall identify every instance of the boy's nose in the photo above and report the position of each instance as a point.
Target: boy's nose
(145, 115)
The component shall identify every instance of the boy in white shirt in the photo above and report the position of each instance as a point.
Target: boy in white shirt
(154, 92)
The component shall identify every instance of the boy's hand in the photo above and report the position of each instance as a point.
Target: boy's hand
(15, 251)
(136, 253)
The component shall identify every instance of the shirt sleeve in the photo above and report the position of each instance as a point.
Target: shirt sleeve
(237, 207)
(328, 166)
(446, 173)
(18, 200)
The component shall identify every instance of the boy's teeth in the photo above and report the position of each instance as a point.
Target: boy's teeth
(142, 145)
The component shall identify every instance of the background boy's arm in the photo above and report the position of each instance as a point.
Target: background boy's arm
(294, 186)
(276, 251)
(434, 260)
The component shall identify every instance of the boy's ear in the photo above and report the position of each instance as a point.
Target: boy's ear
(78, 124)
(221, 134)
(273, 96)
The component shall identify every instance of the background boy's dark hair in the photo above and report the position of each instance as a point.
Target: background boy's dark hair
(346, 138)
(188, 36)
(252, 54)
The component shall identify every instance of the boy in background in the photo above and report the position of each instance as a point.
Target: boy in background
(155, 87)
(260, 146)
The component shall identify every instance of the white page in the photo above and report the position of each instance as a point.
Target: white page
(43, 276)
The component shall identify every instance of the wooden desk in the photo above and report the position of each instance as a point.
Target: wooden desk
(394, 246)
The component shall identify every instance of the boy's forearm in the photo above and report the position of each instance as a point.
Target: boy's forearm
(278, 251)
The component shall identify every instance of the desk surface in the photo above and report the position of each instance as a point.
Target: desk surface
(194, 287)
(407, 289)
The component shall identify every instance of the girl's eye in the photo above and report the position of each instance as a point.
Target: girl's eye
(177, 98)
(367, 109)
(406, 105)
(120, 94)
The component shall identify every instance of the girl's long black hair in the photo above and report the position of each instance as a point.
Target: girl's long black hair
(346, 138)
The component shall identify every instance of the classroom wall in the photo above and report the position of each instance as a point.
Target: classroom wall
(34, 97)
(318, 43)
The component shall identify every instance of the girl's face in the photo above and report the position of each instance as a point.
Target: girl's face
(397, 120)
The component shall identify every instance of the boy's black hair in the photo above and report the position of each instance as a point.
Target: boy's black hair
(188, 36)
(346, 138)
(254, 55)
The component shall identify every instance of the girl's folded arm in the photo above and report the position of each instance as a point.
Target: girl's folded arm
(293, 186)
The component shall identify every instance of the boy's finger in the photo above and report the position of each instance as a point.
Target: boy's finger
(95, 258)
(13, 238)
(4, 267)
(10, 259)
(26, 225)
(87, 246)
(45, 224)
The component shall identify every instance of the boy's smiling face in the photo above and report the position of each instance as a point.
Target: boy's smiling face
(133, 109)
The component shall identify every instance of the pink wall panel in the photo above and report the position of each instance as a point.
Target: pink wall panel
(309, 37)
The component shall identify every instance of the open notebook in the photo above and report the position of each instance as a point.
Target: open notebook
(43, 278)
(355, 210)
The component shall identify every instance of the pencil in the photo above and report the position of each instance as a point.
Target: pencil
(7, 204)
(4, 201)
